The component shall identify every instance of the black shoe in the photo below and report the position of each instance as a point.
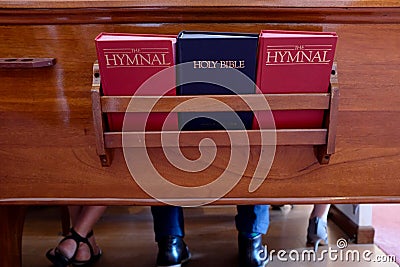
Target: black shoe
(251, 252)
(276, 207)
(60, 260)
(172, 252)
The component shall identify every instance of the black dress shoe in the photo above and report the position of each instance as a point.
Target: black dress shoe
(251, 252)
(172, 252)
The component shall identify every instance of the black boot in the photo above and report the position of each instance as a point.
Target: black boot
(172, 252)
(251, 251)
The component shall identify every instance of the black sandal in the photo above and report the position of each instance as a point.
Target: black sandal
(60, 260)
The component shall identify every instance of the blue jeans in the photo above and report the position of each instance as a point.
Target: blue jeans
(252, 218)
(168, 220)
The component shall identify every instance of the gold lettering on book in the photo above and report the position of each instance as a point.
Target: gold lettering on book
(220, 64)
(298, 54)
(204, 64)
(137, 58)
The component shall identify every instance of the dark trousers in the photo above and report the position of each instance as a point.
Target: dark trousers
(168, 220)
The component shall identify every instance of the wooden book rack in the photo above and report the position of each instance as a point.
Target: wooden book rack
(322, 139)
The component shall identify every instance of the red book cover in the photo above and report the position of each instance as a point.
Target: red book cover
(294, 62)
(126, 61)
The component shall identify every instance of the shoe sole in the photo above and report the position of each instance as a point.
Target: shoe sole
(179, 264)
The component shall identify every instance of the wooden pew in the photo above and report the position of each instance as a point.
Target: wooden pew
(47, 140)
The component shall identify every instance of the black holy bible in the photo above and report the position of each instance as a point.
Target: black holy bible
(216, 63)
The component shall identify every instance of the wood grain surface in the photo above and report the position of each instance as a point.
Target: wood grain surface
(191, 11)
(47, 143)
(193, 3)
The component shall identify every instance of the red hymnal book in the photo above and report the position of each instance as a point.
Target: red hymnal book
(126, 61)
(294, 62)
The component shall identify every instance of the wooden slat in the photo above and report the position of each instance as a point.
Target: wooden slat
(333, 119)
(98, 120)
(324, 152)
(294, 173)
(188, 13)
(193, 201)
(236, 102)
(98, 124)
(193, 3)
(192, 138)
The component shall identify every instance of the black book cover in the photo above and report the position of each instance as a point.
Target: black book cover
(216, 63)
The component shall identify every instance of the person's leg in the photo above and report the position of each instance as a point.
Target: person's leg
(74, 213)
(252, 222)
(320, 211)
(317, 230)
(252, 219)
(82, 219)
(169, 233)
(168, 221)
(87, 219)
(84, 224)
